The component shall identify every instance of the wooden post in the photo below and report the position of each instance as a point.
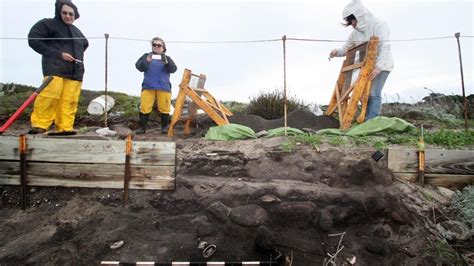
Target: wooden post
(462, 80)
(126, 180)
(22, 149)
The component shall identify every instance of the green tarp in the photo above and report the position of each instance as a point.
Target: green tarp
(230, 132)
(375, 125)
(281, 132)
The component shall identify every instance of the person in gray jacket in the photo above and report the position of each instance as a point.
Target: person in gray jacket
(365, 26)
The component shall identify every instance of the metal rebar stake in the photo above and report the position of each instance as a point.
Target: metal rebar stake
(106, 74)
(284, 84)
(457, 34)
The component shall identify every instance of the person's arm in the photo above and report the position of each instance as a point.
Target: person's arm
(343, 50)
(142, 63)
(36, 36)
(170, 66)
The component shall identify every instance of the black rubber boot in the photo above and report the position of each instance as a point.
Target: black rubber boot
(36, 130)
(165, 122)
(142, 122)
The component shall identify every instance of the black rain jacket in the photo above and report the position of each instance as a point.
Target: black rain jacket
(52, 61)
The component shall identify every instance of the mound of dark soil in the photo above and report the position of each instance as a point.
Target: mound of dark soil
(297, 119)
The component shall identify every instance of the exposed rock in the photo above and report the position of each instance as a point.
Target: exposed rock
(447, 193)
(117, 245)
(454, 230)
(376, 246)
(219, 210)
(269, 198)
(297, 210)
(123, 132)
(249, 215)
(261, 133)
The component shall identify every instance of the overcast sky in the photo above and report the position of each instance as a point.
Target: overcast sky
(240, 71)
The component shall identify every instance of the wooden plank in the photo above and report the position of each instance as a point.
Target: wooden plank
(180, 100)
(88, 175)
(204, 106)
(87, 151)
(159, 184)
(340, 112)
(440, 180)
(85, 171)
(437, 161)
(351, 67)
(198, 90)
(364, 101)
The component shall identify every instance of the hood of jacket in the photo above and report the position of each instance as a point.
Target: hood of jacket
(360, 12)
(59, 4)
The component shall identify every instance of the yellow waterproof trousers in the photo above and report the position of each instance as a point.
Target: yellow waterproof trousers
(57, 103)
(163, 101)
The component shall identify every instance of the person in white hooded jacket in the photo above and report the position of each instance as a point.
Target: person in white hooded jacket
(365, 26)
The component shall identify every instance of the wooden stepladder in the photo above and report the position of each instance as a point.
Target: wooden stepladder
(351, 90)
(201, 99)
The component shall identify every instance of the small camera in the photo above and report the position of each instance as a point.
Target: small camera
(156, 56)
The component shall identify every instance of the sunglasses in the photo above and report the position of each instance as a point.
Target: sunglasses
(65, 13)
(157, 45)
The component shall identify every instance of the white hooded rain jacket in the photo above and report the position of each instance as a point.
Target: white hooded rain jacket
(368, 26)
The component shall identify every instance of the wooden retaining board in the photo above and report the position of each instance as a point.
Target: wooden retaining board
(89, 163)
(448, 168)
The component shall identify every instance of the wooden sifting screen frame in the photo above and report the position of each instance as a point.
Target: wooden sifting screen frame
(347, 94)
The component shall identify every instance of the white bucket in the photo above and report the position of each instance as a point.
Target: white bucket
(97, 106)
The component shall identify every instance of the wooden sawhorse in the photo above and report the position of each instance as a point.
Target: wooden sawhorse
(201, 99)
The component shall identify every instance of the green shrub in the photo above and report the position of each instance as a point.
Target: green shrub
(236, 107)
(450, 138)
(462, 204)
(269, 105)
(443, 252)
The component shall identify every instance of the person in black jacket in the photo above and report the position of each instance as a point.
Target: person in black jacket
(156, 86)
(62, 47)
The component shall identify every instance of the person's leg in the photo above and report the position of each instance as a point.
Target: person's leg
(164, 107)
(67, 106)
(146, 105)
(44, 108)
(374, 105)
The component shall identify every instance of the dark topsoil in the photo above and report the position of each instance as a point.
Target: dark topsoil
(250, 199)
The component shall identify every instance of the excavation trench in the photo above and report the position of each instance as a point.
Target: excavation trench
(249, 199)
